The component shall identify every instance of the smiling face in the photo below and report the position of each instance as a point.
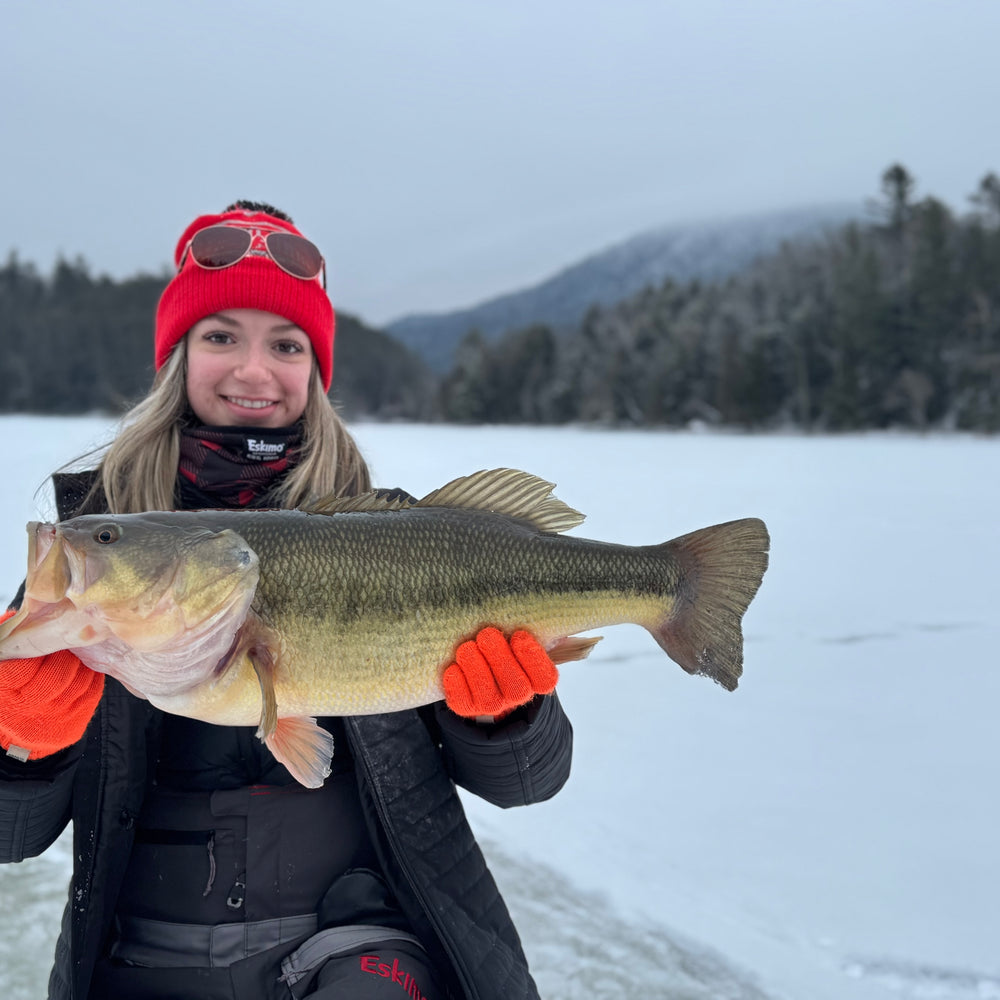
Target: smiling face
(248, 368)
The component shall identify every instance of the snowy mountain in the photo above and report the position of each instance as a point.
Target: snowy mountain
(707, 250)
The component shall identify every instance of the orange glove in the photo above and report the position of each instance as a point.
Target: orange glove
(46, 702)
(491, 676)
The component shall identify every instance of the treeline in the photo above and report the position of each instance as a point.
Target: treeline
(73, 343)
(892, 322)
(895, 322)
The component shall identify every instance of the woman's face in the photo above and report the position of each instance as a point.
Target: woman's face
(248, 368)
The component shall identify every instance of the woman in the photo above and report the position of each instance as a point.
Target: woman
(201, 868)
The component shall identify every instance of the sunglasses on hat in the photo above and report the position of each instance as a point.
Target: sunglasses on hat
(223, 246)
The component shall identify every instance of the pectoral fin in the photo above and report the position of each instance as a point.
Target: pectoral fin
(297, 742)
(262, 659)
(304, 748)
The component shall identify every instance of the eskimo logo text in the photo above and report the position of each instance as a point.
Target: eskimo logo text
(373, 964)
(262, 448)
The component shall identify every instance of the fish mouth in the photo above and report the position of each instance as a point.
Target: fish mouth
(48, 620)
(49, 571)
(57, 570)
(75, 598)
(42, 536)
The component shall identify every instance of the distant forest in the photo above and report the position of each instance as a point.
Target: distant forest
(889, 323)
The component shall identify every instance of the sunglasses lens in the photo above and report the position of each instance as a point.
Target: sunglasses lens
(220, 246)
(296, 255)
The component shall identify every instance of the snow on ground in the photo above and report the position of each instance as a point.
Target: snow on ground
(827, 831)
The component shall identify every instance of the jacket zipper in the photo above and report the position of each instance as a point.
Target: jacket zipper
(404, 864)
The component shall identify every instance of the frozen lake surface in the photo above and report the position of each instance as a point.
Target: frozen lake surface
(827, 831)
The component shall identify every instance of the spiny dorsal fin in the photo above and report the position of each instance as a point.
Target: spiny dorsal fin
(510, 492)
(502, 491)
(373, 501)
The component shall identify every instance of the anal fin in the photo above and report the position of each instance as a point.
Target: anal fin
(573, 647)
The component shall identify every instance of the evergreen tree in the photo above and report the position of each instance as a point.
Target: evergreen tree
(466, 393)
(897, 188)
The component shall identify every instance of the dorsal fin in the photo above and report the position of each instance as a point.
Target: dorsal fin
(510, 492)
(372, 501)
(502, 491)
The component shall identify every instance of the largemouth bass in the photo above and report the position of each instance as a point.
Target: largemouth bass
(355, 606)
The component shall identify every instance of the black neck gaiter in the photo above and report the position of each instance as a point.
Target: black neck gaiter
(234, 466)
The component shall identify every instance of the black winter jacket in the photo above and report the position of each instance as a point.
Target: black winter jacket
(407, 764)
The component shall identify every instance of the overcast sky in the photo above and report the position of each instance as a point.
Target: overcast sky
(444, 151)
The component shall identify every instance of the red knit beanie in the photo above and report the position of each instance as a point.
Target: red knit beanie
(255, 282)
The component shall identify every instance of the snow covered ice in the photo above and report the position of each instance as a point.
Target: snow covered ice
(827, 831)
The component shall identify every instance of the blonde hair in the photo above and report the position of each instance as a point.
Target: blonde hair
(138, 471)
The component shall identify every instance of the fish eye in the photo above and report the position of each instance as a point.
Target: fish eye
(107, 533)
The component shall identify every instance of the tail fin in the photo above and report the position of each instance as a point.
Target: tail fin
(720, 571)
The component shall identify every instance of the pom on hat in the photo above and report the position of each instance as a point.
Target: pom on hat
(255, 282)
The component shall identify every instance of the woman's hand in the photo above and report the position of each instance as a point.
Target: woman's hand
(492, 676)
(46, 703)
